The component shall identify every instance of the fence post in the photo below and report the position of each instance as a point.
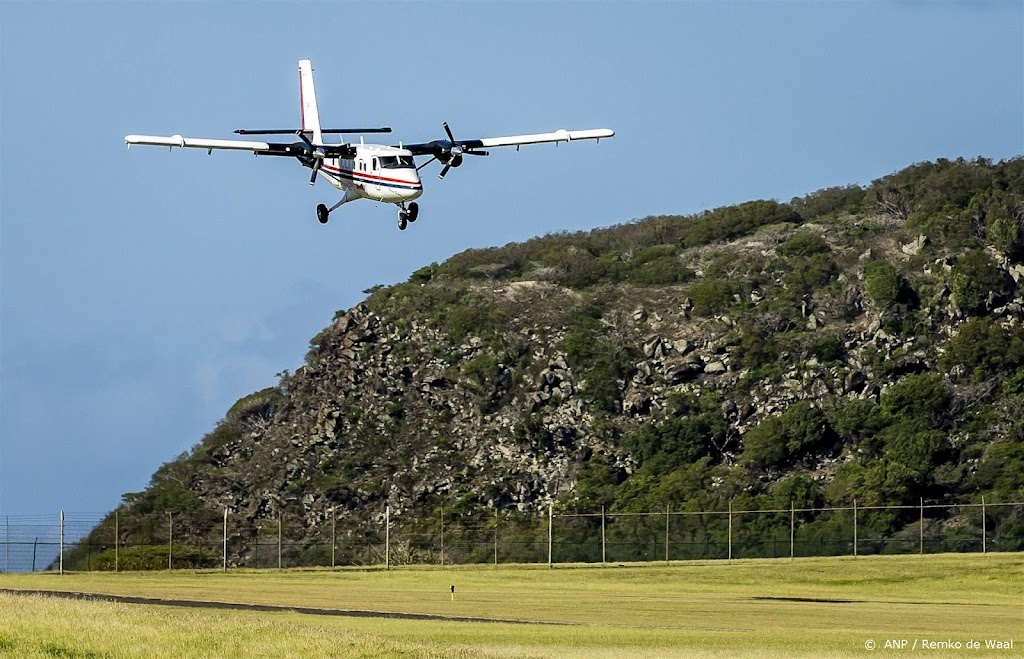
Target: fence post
(921, 550)
(730, 529)
(334, 535)
(495, 536)
(225, 545)
(984, 546)
(7, 544)
(62, 542)
(170, 541)
(855, 528)
(666, 532)
(387, 537)
(117, 543)
(604, 555)
(280, 562)
(792, 526)
(442, 535)
(551, 514)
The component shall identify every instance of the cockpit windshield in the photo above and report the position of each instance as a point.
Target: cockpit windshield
(397, 162)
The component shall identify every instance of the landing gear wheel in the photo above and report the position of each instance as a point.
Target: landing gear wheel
(414, 211)
(403, 220)
(322, 214)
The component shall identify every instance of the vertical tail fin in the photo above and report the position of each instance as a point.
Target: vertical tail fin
(307, 101)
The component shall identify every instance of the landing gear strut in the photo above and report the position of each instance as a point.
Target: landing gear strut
(405, 217)
(323, 213)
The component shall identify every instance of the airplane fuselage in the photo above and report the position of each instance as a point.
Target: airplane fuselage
(382, 173)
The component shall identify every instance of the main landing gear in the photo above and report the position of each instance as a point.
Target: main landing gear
(407, 216)
(323, 213)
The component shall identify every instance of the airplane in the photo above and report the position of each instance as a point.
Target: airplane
(379, 172)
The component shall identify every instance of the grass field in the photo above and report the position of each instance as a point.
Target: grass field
(688, 609)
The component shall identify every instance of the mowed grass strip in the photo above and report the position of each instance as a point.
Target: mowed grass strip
(708, 607)
(39, 626)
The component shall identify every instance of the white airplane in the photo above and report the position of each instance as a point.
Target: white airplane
(363, 171)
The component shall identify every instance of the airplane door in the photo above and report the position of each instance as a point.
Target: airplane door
(376, 189)
(359, 167)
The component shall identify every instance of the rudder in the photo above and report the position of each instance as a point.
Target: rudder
(307, 102)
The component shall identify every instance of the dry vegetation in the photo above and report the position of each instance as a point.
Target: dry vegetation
(692, 609)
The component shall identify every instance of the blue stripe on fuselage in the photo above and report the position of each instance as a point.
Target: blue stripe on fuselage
(352, 176)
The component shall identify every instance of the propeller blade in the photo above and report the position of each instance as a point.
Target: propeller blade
(444, 171)
(432, 159)
(449, 131)
(315, 168)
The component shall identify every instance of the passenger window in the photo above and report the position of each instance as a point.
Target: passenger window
(376, 164)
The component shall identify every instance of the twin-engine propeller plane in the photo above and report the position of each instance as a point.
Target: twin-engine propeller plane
(363, 171)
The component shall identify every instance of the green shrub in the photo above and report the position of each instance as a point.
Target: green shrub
(711, 296)
(984, 344)
(830, 201)
(675, 442)
(732, 222)
(924, 397)
(597, 482)
(914, 447)
(974, 277)
(661, 271)
(1001, 470)
(882, 283)
(807, 275)
(154, 557)
(804, 244)
(481, 368)
(781, 440)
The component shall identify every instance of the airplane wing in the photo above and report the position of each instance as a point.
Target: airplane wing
(440, 147)
(540, 138)
(295, 149)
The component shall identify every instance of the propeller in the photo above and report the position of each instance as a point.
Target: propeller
(315, 168)
(316, 154)
(452, 155)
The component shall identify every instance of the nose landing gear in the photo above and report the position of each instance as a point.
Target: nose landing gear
(405, 217)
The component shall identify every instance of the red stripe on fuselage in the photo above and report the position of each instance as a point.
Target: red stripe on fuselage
(338, 170)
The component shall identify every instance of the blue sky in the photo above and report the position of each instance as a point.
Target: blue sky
(142, 292)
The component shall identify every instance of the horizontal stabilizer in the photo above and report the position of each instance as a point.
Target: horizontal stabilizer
(293, 131)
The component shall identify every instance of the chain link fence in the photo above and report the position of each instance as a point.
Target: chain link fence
(95, 542)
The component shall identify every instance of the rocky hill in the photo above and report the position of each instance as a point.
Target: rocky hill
(855, 343)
